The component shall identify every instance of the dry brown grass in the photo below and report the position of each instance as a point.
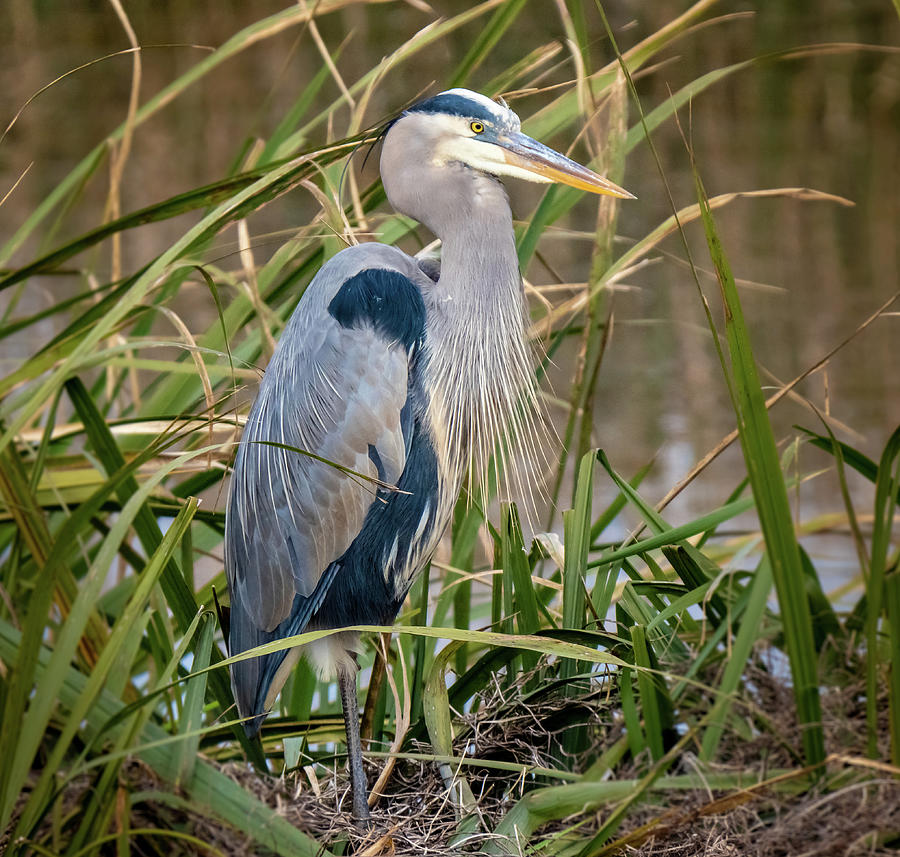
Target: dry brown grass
(861, 817)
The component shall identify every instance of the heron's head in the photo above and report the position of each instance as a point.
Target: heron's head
(433, 141)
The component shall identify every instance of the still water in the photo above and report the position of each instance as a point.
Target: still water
(811, 272)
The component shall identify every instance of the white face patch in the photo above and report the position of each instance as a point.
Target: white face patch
(446, 130)
(481, 155)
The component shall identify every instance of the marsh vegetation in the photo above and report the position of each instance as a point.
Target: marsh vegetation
(689, 650)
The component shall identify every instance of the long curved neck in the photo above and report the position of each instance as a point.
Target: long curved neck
(483, 391)
(479, 264)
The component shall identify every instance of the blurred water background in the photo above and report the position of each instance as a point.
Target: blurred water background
(812, 271)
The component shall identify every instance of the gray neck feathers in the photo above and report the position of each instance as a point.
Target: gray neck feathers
(480, 364)
(482, 334)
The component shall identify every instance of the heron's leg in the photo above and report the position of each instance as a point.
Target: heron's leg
(347, 685)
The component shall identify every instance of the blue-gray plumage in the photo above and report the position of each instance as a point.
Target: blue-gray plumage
(395, 370)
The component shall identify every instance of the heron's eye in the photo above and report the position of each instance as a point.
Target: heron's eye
(477, 127)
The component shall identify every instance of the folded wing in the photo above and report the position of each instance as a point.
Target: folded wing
(333, 394)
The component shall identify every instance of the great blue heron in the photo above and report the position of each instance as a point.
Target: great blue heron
(396, 372)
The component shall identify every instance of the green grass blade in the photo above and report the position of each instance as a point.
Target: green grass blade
(497, 616)
(180, 599)
(559, 200)
(67, 640)
(738, 654)
(887, 484)
(773, 507)
(578, 543)
(490, 34)
(437, 719)
(556, 802)
(686, 566)
(21, 504)
(209, 791)
(62, 345)
(123, 628)
(860, 462)
(297, 110)
(18, 683)
(516, 559)
(577, 531)
(97, 809)
(252, 197)
(52, 575)
(892, 601)
(666, 534)
(514, 562)
(619, 501)
(136, 715)
(192, 713)
(420, 653)
(678, 608)
(53, 581)
(648, 692)
(201, 197)
(611, 163)
(826, 625)
(457, 591)
(256, 32)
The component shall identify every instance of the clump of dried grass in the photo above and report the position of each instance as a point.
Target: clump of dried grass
(416, 816)
(513, 723)
(860, 819)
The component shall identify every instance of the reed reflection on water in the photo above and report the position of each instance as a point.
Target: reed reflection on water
(812, 271)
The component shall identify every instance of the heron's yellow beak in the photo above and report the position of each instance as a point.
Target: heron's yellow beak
(525, 153)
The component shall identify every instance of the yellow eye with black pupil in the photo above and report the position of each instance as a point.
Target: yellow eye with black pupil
(477, 127)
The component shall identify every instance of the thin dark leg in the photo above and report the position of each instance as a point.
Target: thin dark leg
(347, 685)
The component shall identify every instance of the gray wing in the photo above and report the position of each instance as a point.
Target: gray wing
(337, 391)
(290, 515)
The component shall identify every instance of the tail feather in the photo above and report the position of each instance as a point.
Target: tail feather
(251, 679)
